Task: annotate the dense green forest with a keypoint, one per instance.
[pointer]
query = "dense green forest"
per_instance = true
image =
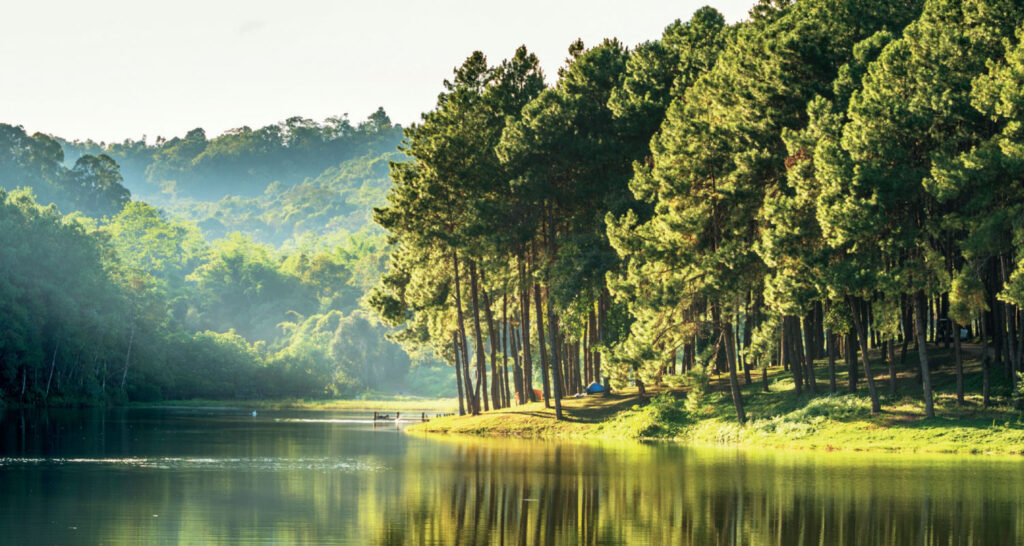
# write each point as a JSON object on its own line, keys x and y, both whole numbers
{"x": 106, "y": 298}
{"x": 828, "y": 179}
{"x": 825, "y": 179}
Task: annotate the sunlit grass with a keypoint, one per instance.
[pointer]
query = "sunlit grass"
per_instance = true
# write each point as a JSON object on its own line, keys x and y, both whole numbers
{"x": 780, "y": 419}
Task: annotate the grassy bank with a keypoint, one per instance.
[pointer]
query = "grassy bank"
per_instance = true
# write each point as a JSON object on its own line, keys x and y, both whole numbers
{"x": 385, "y": 404}
{"x": 780, "y": 419}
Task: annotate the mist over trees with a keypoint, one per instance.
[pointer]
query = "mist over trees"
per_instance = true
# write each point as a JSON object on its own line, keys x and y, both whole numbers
{"x": 828, "y": 178}
{"x": 122, "y": 300}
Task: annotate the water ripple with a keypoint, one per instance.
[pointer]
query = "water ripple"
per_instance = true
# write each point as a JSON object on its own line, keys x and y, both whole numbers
{"x": 271, "y": 464}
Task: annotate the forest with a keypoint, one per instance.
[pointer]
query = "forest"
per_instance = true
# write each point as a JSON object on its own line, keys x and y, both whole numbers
{"x": 105, "y": 298}
{"x": 829, "y": 179}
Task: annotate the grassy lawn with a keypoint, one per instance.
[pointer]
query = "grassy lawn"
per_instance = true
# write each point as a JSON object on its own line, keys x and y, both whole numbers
{"x": 780, "y": 419}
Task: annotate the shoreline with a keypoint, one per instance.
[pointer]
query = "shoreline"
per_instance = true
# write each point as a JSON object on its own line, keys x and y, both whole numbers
{"x": 778, "y": 420}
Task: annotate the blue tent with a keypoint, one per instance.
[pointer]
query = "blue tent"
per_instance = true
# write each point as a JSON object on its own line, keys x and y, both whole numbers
{"x": 594, "y": 388}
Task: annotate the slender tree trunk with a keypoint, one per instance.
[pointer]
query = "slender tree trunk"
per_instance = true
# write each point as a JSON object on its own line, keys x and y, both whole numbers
{"x": 505, "y": 348}
{"x": 905, "y": 323}
{"x": 1008, "y": 315}
{"x": 819, "y": 330}
{"x": 849, "y": 351}
{"x": 986, "y": 381}
{"x": 128, "y": 354}
{"x": 555, "y": 360}
{"x": 481, "y": 358}
{"x": 1020, "y": 349}
{"x": 524, "y": 333}
{"x": 53, "y": 364}
{"x": 540, "y": 345}
{"x": 748, "y": 325}
{"x": 790, "y": 355}
{"x": 862, "y": 335}
{"x": 602, "y": 332}
{"x": 926, "y": 375}
{"x": 888, "y": 353}
{"x": 517, "y": 371}
{"x": 472, "y": 405}
{"x": 492, "y": 334}
{"x": 458, "y": 370}
{"x": 809, "y": 352}
{"x": 831, "y": 348}
{"x": 587, "y": 335}
{"x": 730, "y": 350}
{"x": 958, "y": 360}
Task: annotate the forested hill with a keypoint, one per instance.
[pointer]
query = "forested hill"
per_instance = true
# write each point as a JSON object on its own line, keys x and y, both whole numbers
{"x": 276, "y": 183}
{"x": 106, "y": 297}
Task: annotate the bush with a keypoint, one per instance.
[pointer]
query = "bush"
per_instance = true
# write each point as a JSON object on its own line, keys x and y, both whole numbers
{"x": 696, "y": 380}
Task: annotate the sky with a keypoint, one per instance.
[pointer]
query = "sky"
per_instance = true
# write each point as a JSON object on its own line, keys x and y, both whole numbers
{"x": 115, "y": 69}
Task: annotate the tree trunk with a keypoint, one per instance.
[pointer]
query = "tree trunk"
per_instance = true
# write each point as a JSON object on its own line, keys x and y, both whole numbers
{"x": 128, "y": 354}
{"x": 472, "y": 405}
{"x": 958, "y": 359}
{"x": 905, "y": 324}
{"x": 926, "y": 375}
{"x": 730, "y": 354}
{"x": 492, "y": 334}
{"x": 809, "y": 352}
{"x": 830, "y": 341}
{"x": 53, "y": 364}
{"x": 458, "y": 370}
{"x": 862, "y": 335}
{"x": 505, "y": 349}
{"x": 790, "y": 356}
{"x": 478, "y": 336}
{"x": 985, "y": 379}
{"x": 889, "y": 354}
{"x": 849, "y": 352}
{"x": 540, "y": 345}
{"x": 517, "y": 370}
{"x": 524, "y": 333}
{"x": 555, "y": 359}
{"x": 602, "y": 331}
{"x": 1008, "y": 314}
{"x": 748, "y": 325}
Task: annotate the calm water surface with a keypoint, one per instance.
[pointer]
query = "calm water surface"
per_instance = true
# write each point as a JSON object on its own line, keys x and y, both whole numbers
{"x": 209, "y": 476}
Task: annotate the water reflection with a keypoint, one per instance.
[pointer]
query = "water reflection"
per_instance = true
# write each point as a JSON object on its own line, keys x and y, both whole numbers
{"x": 509, "y": 493}
{"x": 209, "y": 477}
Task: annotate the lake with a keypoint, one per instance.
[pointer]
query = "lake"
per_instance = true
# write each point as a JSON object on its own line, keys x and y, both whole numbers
{"x": 222, "y": 476}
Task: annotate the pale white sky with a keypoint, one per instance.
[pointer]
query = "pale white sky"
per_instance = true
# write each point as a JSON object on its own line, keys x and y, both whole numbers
{"x": 111, "y": 69}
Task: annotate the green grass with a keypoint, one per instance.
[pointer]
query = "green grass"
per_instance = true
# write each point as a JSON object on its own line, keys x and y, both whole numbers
{"x": 385, "y": 404}
{"x": 780, "y": 419}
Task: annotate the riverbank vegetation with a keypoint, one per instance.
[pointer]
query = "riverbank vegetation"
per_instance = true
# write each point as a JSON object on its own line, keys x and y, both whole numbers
{"x": 705, "y": 416}
{"x": 829, "y": 187}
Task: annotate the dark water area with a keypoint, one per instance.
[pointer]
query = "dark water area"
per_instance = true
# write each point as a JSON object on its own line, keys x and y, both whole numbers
{"x": 222, "y": 476}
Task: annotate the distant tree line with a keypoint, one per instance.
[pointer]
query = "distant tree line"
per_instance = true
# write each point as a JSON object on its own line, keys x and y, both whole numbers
{"x": 824, "y": 178}
{"x": 122, "y": 301}
{"x": 243, "y": 161}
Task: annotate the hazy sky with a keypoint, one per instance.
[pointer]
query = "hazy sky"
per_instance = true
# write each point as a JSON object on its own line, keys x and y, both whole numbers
{"x": 111, "y": 69}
